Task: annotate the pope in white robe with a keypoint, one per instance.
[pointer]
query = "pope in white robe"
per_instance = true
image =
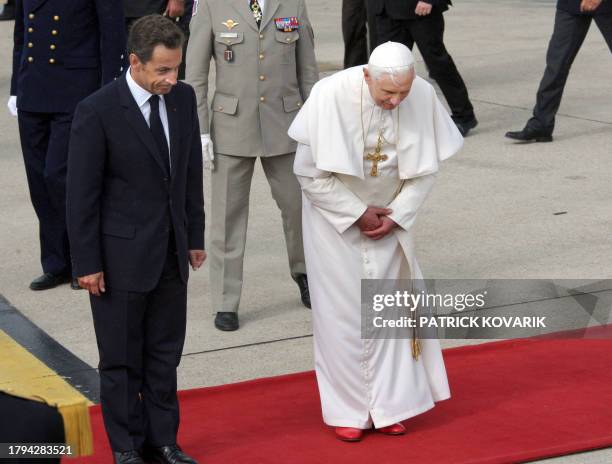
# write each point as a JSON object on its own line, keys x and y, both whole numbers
{"x": 370, "y": 140}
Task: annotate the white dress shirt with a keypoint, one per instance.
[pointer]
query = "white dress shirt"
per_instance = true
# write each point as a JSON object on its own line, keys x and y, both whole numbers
{"x": 142, "y": 100}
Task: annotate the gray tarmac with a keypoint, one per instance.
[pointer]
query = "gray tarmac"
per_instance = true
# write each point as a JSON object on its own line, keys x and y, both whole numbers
{"x": 491, "y": 215}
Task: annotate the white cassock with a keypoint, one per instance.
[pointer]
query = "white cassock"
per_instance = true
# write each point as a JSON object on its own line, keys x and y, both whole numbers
{"x": 365, "y": 381}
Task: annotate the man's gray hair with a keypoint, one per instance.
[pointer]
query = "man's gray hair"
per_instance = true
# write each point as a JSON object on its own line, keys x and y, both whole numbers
{"x": 394, "y": 73}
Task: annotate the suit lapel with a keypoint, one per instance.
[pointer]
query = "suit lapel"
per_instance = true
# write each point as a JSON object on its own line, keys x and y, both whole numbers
{"x": 173, "y": 129}
{"x": 269, "y": 11}
{"x": 137, "y": 121}
{"x": 242, "y": 7}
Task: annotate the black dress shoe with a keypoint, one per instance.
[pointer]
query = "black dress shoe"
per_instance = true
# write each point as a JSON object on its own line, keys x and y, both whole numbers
{"x": 48, "y": 280}
{"x": 226, "y": 321}
{"x": 8, "y": 13}
{"x": 128, "y": 457}
{"x": 465, "y": 126}
{"x": 74, "y": 284}
{"x": 530, "y": 135}
{"x": 171, "y": 454}
{"x": 302, "y": 282}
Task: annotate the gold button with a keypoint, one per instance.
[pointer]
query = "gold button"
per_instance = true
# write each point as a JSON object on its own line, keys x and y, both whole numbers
{"x": 30, "y": 44}
{"x": 31, "y": 16}
{"x": 260, "y": 36}
{"x": 52, "y": 46}
{"x": 220, "y": 108}
{"x": 53, "y": 32}
{"x": 262, "y": 99}
{"x": 288, "y": 39}
{"x": 299, "y": 104}
{"x": 56, "y": 18}
{"x": 262, "y": 78}
{"x": 261, "y": 56}
{"x": 30, "y": 59}
{"x": 51, "y": 61}
{"x": 30, "y": 30}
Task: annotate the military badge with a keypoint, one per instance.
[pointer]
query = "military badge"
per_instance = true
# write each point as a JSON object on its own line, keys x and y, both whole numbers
{"x": 287, "y": 24}
{"x": 230, "y": 24}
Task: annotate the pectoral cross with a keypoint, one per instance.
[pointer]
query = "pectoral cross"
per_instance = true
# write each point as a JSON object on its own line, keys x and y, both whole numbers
{"x": 376, "y": 158}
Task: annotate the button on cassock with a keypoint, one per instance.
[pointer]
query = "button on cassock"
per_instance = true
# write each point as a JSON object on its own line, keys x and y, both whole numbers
{"x": 262, "y": 99}
{"x": 31, "y": 16}
{"x": 52, "y": 47}
{"x": 51, "y": 61}
{"x": 30, "y": 30}
{"x": 30, "y": 44}
{"x": 262, "y": 78}
{"x": 30, "y": 59}
{"x": 53, "y": 32}
{"x": 56, "y": 18}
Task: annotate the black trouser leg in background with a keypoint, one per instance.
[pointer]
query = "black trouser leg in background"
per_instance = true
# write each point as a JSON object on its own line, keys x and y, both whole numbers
{"x": 568, "y": 34}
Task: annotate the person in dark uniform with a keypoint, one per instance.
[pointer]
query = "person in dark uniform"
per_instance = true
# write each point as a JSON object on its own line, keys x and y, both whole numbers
{"x": 180, "y": 10}
{"x": 136, "y": 222}
{"x": 8, "y": 11}
{"x": 422, "y": 22}
{"x": 63, "y": 51}
{"x": 572, "y": 21}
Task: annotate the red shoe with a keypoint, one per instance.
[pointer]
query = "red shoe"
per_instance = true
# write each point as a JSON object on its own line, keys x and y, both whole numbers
{"x": 395, "y": 429}
{"x": 348, "y": 434}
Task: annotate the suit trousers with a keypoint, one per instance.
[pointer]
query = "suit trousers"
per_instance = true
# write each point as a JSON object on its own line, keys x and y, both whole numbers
{"x": 230, "y": 190}
{"x": 140, "y": 339}
{"x": 354, "y": 32}
{"x": 567, "y": 37}
{"x": 428, "y": 34}
{"x": 44, "y": 143}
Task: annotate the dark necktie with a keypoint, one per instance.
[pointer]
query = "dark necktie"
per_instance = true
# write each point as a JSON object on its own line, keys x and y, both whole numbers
{"x": 157, "y": 129}
{"x": 256, "y": 9}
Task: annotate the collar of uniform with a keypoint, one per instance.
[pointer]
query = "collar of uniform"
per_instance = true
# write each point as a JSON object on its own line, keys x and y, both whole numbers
{"x": 261, "y": 4}
{"x": 140, "y": 95}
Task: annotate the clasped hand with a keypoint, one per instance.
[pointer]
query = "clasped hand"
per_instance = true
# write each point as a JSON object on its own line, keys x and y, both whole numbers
{"x": 375, "y": 223}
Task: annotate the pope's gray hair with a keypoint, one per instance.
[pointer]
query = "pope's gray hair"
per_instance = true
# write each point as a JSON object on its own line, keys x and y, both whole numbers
{"x": 394, "y": 73}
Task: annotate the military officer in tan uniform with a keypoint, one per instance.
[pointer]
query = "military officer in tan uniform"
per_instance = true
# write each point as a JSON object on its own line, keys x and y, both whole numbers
{"x": 265, "y": 69}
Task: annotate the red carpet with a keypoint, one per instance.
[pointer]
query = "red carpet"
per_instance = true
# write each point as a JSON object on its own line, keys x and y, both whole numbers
{"x": 513, "y": 401}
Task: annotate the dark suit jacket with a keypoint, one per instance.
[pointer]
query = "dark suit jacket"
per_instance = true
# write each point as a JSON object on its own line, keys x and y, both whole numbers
{"x": 573, "y": 7}
{"x": 140, "y": 8}
{"x": 121, "y": 203}
{"x": 403, "y": 9}
{"x": 53, "y": 71}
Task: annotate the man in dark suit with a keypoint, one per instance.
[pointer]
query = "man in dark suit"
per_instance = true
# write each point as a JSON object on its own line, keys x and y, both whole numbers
{"x": 572, "y": 22}
{"x": 136, "y": 221}
{"x": 422, "y": 22}
{"x": 63, "y": 51}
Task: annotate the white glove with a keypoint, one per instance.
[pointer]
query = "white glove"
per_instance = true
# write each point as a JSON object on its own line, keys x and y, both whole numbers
{"x": 208, "y": 155}
{"x": 12, "y": 105}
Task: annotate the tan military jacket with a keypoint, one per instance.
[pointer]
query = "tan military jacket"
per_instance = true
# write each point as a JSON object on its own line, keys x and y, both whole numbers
{"x": 261, "y": 88}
